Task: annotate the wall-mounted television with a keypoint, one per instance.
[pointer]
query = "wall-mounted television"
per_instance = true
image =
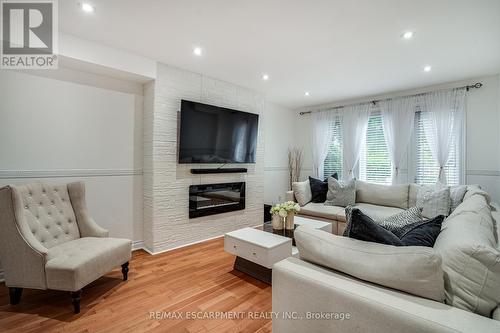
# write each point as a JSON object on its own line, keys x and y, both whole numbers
{"x": 212, "y": 134}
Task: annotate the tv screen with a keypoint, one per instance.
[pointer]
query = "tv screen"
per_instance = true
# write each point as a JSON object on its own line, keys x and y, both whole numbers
{"x": 211, "y": 134}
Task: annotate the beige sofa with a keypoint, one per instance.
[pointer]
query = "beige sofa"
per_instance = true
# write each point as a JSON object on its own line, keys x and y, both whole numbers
{"x": 378, "y": 201}
{"x": 327, "y": 293}
{"x": 49, "y": 241}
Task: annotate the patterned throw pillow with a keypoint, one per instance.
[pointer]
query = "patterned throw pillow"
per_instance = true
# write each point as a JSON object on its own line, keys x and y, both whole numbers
{"x": 434, "y": 201}
{"x": 348, "y": 219}
{"x": 399, "y": 224}
{"x": 340, "y": 193}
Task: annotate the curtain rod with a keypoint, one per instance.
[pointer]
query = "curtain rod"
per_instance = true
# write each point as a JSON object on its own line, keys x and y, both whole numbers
{"x": 476, "y": 85}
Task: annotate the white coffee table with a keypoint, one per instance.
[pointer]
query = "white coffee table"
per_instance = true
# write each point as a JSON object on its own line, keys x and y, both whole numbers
{"x": 257, "y": 251}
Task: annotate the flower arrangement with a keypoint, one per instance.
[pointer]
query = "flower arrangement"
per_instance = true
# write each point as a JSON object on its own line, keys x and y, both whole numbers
{"x": 284, "y": 208}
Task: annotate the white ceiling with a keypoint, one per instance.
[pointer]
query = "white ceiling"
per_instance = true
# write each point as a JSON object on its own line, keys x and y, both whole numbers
{"x": 335, "y": 49}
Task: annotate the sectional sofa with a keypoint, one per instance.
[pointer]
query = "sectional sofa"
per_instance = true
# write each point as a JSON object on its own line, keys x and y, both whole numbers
{"x": 345, "y": 285}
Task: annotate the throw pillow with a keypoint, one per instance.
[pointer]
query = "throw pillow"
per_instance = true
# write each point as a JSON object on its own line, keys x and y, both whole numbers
{"x": 434, "y": 201}
{"x": 319, "y": 188}
{"x": 302, "y": 192}
{"x": 362, "y": 227}
{"x": 340, "y": 193}
{"x": 457, "y": 194}
{"x": 424, "y": 234}
{"x": 399, "y": 224}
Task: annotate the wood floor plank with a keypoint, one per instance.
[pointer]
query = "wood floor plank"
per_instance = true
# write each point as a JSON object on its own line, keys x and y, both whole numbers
{"x": 195, "y": 279}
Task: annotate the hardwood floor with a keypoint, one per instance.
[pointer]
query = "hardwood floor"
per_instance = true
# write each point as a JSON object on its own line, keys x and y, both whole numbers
{"x": 197, "y": 279}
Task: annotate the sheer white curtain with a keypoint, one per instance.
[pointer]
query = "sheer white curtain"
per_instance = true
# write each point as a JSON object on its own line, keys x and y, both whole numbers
{"x": 445, "y": 111}
{"x": 398, "y": 118}
{"x": 321, "y": 137}
{"x": 354, "y": 124}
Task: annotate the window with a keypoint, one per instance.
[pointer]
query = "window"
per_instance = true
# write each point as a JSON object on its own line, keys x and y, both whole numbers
{"x": 375, "y": 162}
{"x": 427, "y": 169}
{"x": 333, "y": 161}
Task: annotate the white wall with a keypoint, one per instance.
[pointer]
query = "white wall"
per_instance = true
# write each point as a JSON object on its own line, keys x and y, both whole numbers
{"x": 58, "y": 131}
{"x": 279, "y": 136}
{"x": 166, "y": 183}
{"x": 482, "y": 130}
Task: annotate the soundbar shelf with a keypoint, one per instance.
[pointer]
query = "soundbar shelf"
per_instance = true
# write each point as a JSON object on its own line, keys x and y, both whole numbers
{"x": 218, "y": 170}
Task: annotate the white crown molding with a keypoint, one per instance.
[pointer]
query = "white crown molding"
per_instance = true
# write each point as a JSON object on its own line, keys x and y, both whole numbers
{"x": 12, "y": 174}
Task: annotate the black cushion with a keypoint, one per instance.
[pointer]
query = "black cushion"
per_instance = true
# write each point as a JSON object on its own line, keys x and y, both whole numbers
{"x": 424, "y": 234}
{"x": 319, "y": 188}
{"x": 362, "y": 227}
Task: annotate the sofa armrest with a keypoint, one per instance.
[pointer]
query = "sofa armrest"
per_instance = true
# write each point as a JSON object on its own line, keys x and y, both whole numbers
{"x": 88, "y": 227}
{"x": 23, "y": 256}
{"x": 309, "y": 291}
{"x": 289, "y": 196}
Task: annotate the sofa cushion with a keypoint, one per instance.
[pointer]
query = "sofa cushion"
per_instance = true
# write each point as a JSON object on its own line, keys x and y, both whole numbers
{"x": 320, "y": 210}
{"x": 378, "y": 213}
{"x": 412, "y": 194}
{"x": 302, "y": 192}
{"x": 383, "y": 195}
{"x": 434, "y": 200}
{"x": 72, "y": 265}
{"x": 340, "y": 193}
{"x": 471, "y": 259}
{"x": 416, "y": 270}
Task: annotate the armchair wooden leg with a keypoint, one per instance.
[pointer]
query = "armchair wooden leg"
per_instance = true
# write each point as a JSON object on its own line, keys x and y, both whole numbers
{"x": 15, "y": 295}
{"x": 75, "y": 299}
{"x": 125, "y": 271}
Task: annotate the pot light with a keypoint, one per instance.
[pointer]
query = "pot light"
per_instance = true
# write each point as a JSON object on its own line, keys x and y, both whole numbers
{"x": 408, "y": 35}
{"x": 265, "y": 77}
{"x": 87, "y": 7}
{"x": 307, "y": 93}
{"x": 427, "y": 68}
{"x": 197, "y": 51}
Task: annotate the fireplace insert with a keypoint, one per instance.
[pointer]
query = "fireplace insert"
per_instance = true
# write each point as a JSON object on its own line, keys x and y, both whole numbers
{"x": 210, "y": 199}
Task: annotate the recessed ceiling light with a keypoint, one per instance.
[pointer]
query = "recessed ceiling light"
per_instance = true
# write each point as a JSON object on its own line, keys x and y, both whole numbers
{"x": 87, "y": 7}
{"x": 307, "y": 93}
{"x": 427, "y": 68}
{"x": 265, "y": 77}
{"x": 197, "y": 51}
{"x": 407, "y": 34}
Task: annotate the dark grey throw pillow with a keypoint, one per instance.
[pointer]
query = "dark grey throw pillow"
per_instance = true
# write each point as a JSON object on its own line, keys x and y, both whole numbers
{"x": 362, "y": 227}
{"x": 319, "y": 188}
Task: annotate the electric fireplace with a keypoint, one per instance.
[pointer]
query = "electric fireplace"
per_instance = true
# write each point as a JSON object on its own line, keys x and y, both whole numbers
{"x": 210, "y": 199}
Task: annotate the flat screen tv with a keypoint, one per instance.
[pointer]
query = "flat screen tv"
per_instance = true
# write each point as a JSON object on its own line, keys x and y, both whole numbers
{"x": 211, "y": 134}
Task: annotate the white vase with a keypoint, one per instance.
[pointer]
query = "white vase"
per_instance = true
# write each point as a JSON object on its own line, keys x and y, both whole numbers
{"x": 277, "y": 222}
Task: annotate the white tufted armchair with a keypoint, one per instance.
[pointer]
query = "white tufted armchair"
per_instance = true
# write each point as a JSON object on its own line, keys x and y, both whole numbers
{"x": 48, "y": 241}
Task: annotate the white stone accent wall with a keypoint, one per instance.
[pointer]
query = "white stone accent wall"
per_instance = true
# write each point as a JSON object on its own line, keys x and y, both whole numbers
{"x": 166, "y": 183}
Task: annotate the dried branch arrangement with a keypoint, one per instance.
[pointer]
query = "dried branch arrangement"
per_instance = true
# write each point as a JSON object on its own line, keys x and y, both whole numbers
{"x": 295, "y": 159}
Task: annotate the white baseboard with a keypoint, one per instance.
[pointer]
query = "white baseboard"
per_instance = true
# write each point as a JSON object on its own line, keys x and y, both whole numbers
{"x": 137, "y": 245}
{"x": 2, "y": 278}
{"x": 189, "y": 244}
